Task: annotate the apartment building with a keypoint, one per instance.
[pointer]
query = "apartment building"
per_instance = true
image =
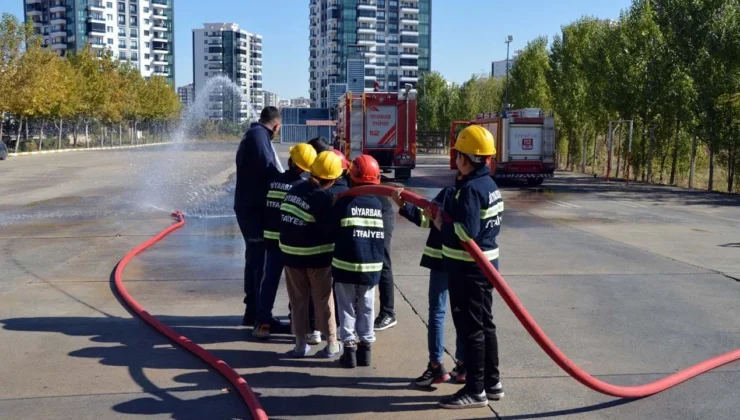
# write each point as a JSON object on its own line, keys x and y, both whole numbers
{"x": 271, "y": 99}
{"x": 392, "y": 37}
{"x": 223, "y": 49}
{"x": 138, "y": 31}
{"x": 186, "y": 94}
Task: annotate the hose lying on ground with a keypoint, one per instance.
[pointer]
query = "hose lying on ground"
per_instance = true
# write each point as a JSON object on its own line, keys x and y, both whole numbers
{"x": 540, "y": 337}
{"x": 258, "y": 413}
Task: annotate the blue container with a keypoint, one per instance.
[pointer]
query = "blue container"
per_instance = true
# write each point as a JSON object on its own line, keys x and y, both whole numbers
{"x": 300, "y": 133}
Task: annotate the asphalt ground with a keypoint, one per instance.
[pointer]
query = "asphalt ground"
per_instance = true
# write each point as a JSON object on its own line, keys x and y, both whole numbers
{"x": 632, "y": 282}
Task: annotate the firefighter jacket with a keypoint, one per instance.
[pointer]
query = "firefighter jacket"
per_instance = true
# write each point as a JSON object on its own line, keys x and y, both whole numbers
{"x": 340, "y": 185}
{"x": 476, "y": 208}
{"x": 432, "y": 257}
{"x": 279, "y": 186}
{"x": 305, "y": 226}
{"x": 359, "y": 240}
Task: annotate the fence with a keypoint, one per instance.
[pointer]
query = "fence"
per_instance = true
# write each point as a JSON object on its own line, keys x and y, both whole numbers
{"x": 301, "y": 133}
{"x": 432, "y": 142}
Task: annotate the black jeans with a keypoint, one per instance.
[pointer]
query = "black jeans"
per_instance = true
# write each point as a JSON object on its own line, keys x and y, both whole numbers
{"x": 385, "y": 287}
{"x": 252, "y": 228}
{"x": 471, "y": 299}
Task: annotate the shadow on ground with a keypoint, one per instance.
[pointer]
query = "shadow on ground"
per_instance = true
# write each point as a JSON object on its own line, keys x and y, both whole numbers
{"x": 140, "y": 348}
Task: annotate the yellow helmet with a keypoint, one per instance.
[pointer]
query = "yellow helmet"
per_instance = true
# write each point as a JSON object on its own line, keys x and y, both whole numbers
{"x": 303, "y": 155}
{"x": 327, "y": 166}
{"x": 475, "y": 140}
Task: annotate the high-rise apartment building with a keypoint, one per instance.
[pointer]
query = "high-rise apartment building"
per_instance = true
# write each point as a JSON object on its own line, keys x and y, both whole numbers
{"x": 271, "y": 99}
{"x": 392, "y": 37}
{"x": 138, "y": 31}
{"x": 222, "y": 49}
{"x": 186, "y": 94}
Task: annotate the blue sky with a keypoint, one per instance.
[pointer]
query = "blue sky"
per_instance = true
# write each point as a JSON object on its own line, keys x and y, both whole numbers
{"x": 466, "y": 34}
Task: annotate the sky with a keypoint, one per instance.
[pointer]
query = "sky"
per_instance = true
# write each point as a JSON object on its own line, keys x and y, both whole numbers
{"x": 466, "y": 34}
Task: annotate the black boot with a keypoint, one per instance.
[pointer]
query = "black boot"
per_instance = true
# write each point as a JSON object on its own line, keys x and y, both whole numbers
{"x": 349, "y": 358}
{"x": 363, "y": 354}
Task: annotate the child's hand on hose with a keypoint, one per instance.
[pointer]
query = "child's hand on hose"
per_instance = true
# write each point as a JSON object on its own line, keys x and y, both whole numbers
{"x": 396, "y": 196}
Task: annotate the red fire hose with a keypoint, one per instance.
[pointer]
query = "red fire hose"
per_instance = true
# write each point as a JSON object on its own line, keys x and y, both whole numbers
{"x": 224, "y": 369}
{"x": 543, "y": 340}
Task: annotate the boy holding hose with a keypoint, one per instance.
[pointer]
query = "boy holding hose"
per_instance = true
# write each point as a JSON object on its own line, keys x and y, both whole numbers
{"x": 475, "y": 211}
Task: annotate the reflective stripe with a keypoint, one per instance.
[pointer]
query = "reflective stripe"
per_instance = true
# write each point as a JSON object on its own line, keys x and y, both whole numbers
{"x": 432, "y": 252}
{"x": 460, "y": 232}
{"x": 357, "y": 268}
{"x": 362, "y": 221}
{"x": 272, "y": 235}
{"x": 462, "y": 255}
{"x": 312, "y": 250}
{"x": 276, "y": 194}
{"x": 425, "y": 223}
{"x": 492, "y": 211}
{"x": 295, "y": 211}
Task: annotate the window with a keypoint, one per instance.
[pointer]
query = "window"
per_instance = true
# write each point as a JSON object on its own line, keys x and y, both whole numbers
{"x": 146, "y": 45}
{"x": 121, "y": 43}
{"x": 109, "y": 17}
{"x": 134, "y": 57}
{"x": 146, "y": 33}
{"x": 146, "y": 10}
{"x": 134, "y": 33}
{"x": 205, "y": 41}
{"x": 148, "y": 68}
{"x": 205, "y": 74}
{"x": 121, "y": 32}
{"x": 205, "y": 49}
{"x": 134, "y": 45}
{"x": 122, "y": 7}
{"x": 122, "y": 55}
{"x": 133, "y": 8}
{"x": 109, "y": 5}
{"x": 109, "y": 29}
{"x": 134, "y": 21}
{"x": 110, "y": 41}
{"x": 146, "y": 21}
{"x": 121, "y": 19}
{"x": 146, "y": 56}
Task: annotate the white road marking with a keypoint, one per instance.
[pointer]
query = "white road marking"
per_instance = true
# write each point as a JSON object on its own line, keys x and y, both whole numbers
{"x": 564, "y": 204}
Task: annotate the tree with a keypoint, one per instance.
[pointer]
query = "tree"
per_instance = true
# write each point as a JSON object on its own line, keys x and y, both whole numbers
{"x": 12, "y": 36}
{"x": 528, "y": 86}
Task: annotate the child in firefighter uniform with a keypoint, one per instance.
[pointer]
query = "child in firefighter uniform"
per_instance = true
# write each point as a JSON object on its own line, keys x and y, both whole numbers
{"x": 475, "y": 210}
{"x": 438, "y": 292}
{"x": 357, "y": 262}
{"x": 302, "y": 157}
{"x": 307, "y": 243}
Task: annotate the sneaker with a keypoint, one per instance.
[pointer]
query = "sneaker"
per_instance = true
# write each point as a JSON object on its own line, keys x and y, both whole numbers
{"x": 384, "y": 321}
{"x": 463, "y": 399}
{"x": 277, "y": 327}
{"x": 299, "y": 351}
{"x": 330, "y": 351}
{"x": 313, "y": 338}
{"x": 433, "y": 375}
{"x": 458, "y": 372}
{"x": 261, "y": 331}
{"x": 495, "y": 392}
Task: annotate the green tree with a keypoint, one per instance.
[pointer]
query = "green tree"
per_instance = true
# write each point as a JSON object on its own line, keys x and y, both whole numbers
{"x": 528, "y": 86}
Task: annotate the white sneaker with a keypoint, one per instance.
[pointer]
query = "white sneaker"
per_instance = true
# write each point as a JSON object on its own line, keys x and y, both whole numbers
{"x": 313, "y": 338}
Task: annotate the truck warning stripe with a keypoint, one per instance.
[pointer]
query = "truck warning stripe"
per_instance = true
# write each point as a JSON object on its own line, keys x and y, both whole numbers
{"x": 388, "y": 137}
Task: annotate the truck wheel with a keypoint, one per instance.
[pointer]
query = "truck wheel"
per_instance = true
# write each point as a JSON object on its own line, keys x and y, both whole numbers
{"x": 403, "y": 174}
{"x": 535, "y": 182}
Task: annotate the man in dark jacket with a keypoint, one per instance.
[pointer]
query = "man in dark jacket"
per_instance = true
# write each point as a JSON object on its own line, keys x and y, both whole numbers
{"x": 255, "y": 164}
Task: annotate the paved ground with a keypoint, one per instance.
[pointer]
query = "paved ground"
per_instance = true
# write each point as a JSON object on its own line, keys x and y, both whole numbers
{"x": 633, "y": 283}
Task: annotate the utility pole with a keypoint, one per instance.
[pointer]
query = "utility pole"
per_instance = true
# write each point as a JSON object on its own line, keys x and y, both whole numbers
{"x": 508, "y": 41}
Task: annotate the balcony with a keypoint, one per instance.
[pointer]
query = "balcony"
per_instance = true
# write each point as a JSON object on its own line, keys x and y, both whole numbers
{"x": 100, "y": 44}
{"x": 161, "y": 61}
{"x": 58, "y": 32}
{"x": 160, "y": 4}
{"x": 34, "y": 13}
{"x": 160, "y": 16}
{"x": 159, "y": 37}
{"x": 59, "y": 46}
{"x": 58, "y": 20}
{"x": 409, "y": 7}
{"x": 97, "y": 6}
{"x": 412, "y": 32}
{"x": 159, "y": 50}
{"x": 410, "y": 55}
{"x": 409, "y": 18}
{"x": 57, "y": 6}
{"x": 367, "y": 4}
{"x": 96, "y": 18}
{"x": 409, "y": 78}
{"x": 160, "y": 27}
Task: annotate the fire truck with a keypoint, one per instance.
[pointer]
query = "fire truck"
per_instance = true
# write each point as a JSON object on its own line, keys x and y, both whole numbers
{"x": 525, "y": 144}
{"x": 382, "y": 125}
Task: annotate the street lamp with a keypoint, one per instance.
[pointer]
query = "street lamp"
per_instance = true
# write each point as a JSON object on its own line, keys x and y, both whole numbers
{"x": 507, "y": 40}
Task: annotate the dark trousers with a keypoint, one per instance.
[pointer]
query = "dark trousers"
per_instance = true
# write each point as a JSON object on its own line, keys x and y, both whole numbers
{"x": 471, "y": 299}
{"x": 250, "y": 224}
{"x": 385, "y": 287}
{"x": 268, "y": 287}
